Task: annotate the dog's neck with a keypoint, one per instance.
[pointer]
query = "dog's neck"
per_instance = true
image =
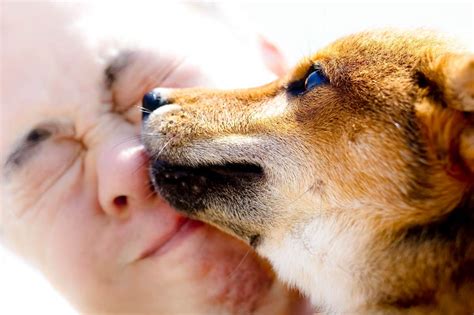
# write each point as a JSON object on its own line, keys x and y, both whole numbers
{"x": 342, "y": 269}
{"x": 445, "y": 251}
{"x": 455, "y": 227}
{"x": 319, "y": 257}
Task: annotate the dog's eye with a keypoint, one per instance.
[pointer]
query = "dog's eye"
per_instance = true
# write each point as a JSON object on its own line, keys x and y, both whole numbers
{"x": 313, "y": 78}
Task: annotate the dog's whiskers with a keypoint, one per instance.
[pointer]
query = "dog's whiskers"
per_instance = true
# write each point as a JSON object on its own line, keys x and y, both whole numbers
{"x": 157, "y": 155}
{"x": 125, "y": 140}
{"x": 143, "y": 109}
{"x": 137, "y": 137}
{"x": 234, "y": 272}
{"x": 301, "y": 195}
{"x": 154, "y": 157}
{"x": 152, "y": 193}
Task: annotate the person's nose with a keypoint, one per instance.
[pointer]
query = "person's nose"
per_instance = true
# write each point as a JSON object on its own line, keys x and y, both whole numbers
{"x": 123, "y": 181}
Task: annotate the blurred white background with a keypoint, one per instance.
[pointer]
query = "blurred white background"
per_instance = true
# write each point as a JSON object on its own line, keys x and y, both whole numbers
{"x": 298, "y": 29}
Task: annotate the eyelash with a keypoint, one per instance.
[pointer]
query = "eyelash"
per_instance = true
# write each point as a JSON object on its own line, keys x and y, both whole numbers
{"x": 30, "y": 141}
{"x": 38, "y": 135}
{"x": 33, "y": 139}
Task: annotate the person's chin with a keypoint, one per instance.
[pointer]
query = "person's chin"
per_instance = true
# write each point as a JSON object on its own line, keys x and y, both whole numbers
{"x": 207, "y": 267}
{"x": 228, "y": 270}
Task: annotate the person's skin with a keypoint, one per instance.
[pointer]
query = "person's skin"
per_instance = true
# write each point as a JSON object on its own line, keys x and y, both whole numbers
{"x": 76, "y": 200}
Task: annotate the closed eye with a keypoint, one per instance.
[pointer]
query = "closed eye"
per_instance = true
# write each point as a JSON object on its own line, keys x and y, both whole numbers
{"x": 40, "y": 160}
{"x": 30, "y": 143}
{"x": 38, "y": 135}
{"x": 32, "y": 139}
{"x": 314, "y": 77}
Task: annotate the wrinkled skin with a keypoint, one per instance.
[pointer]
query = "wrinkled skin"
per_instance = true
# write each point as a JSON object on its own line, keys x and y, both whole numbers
{"x": 76, "y": 200}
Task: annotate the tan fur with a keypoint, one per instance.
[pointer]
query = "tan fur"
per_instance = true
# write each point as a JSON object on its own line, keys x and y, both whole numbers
{"x": 366, "y": 181}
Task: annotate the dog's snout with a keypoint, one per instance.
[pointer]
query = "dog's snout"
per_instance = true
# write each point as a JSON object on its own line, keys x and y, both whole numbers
{"x": 152, "y": 101}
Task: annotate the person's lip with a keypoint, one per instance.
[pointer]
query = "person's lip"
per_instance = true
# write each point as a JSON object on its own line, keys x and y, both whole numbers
{"x": 183, "y": 228}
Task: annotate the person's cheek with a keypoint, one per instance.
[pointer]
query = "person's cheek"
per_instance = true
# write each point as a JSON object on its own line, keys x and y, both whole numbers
{"x": 29, "y": 185}
{"x": 240, "y": 277}
{"x": 216, "y": 269}
{"x": 74, "y": 260}
{"x": 35, "y": 194}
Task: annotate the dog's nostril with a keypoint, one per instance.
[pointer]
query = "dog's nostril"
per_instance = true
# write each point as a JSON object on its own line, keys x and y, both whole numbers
{"x": 152, "y": 101}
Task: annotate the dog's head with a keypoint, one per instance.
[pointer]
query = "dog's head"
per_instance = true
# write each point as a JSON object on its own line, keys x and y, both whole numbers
{"x": 374, "y": 133}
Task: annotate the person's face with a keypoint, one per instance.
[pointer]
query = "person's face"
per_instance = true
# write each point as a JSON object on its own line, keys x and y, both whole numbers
{"x": 76, "y": 198}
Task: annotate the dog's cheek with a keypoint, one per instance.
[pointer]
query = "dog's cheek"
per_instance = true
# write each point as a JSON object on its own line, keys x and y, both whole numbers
{"x": 245, "y": 224}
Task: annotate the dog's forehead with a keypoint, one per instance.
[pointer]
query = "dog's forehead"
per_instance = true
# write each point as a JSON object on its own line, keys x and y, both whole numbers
{"x": 384, "y": 47}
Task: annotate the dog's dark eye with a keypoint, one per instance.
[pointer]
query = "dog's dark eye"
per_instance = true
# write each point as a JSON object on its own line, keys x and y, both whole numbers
{"x": 313, "y": 78}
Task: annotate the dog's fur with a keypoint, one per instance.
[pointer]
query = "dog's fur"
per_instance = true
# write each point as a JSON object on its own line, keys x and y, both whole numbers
{"x": 359, "y": 191}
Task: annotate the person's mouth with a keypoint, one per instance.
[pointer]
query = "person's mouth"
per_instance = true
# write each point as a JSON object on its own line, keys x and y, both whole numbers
{"x": 184, "y": 228}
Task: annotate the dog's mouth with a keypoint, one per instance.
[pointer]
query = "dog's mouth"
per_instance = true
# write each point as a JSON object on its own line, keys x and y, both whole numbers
{"x": 191, "y": 188}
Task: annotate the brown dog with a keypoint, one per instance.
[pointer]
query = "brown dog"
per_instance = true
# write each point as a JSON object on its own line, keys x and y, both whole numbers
{"x": 353, "y": 174}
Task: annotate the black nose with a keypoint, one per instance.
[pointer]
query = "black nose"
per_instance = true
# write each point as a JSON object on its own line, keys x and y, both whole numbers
{"x": 150, "y": 102}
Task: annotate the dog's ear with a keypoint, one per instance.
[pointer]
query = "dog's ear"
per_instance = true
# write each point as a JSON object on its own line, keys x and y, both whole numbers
{"x": 447, "y": 111}
{"x": 273, "y": 57}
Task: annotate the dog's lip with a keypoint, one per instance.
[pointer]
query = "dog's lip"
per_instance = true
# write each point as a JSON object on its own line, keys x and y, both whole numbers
{"x": 224, "y": 169}
{"x": 183, "y": 228}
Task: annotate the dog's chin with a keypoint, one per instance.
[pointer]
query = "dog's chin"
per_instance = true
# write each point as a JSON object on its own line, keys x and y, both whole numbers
{"x": 192, "y": 189}
{"x": 217, "y": 194}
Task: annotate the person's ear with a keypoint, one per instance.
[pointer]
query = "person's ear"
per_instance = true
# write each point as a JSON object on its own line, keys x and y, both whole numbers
{"x": 447, "y": 111}
{"x": 272, "y": 56}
